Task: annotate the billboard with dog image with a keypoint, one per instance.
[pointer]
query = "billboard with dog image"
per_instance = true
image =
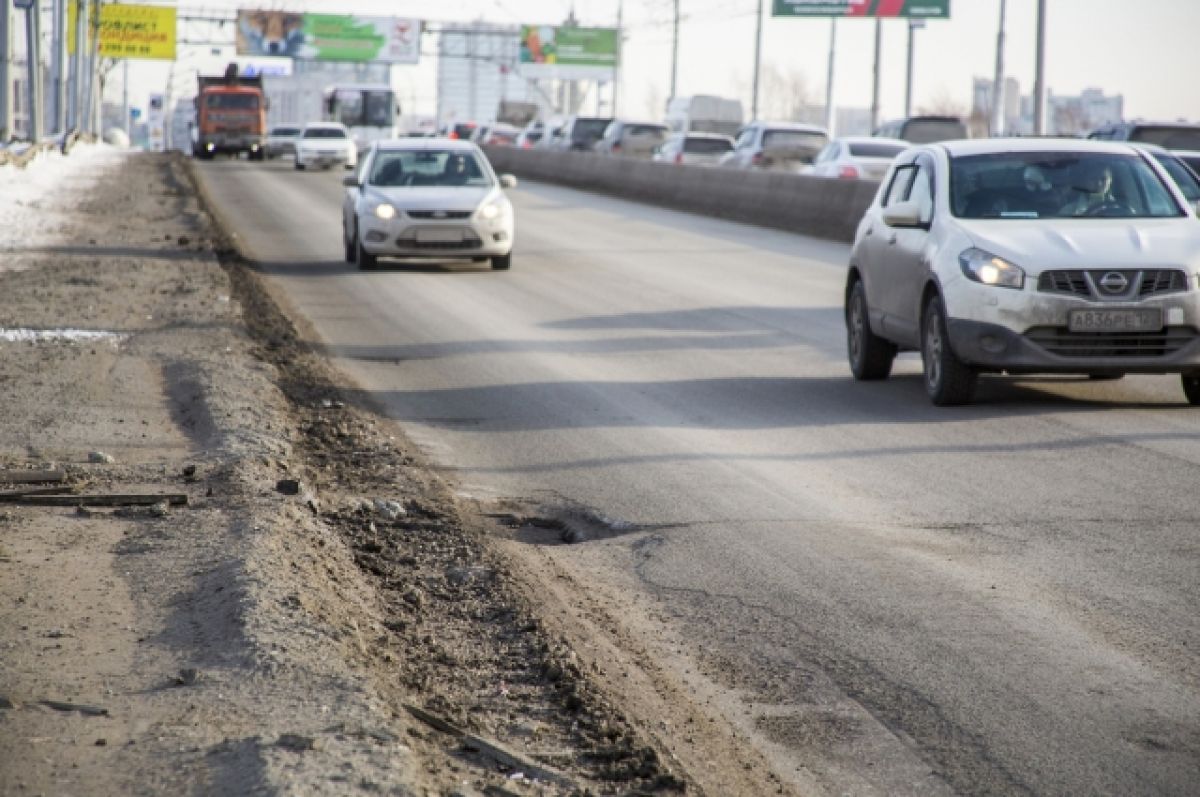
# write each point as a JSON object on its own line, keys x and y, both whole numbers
{"x": 328, "y": 37}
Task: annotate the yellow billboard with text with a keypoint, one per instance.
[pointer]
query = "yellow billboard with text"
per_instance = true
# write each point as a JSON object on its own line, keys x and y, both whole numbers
{"x": 131, "y": 31}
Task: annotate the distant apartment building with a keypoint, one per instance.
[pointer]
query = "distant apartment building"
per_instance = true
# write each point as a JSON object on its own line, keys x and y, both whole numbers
{"x": 1065, "y": 115}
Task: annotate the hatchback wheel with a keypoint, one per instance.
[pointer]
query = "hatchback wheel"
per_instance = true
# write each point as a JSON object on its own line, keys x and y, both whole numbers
{"x": 366, "y": 261}
{"x": 871, "y": 356}
{"x": 348, "y": 245}
{"x": 1191, "y": 388}
{"x": 948, "y": 380}
{"x": 502, "y": 262}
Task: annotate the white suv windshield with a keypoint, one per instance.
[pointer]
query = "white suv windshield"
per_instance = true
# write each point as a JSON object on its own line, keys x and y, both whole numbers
{"x": 1056, "y": 185}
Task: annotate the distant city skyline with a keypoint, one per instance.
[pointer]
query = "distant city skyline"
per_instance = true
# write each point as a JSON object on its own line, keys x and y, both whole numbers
{"x": 1116, "y": 46}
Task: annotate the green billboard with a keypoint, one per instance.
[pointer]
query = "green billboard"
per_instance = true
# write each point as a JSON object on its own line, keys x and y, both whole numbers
{"x": 330, "y": 37}
{"x": 568, "y": 46}
{"x": 925, "y": 9}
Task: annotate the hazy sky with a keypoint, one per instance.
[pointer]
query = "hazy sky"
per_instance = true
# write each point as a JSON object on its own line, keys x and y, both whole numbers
{"x": 1142, "y": 49}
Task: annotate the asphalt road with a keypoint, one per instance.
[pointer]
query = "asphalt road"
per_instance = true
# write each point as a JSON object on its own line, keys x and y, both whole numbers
{"x": 889, "y": 597}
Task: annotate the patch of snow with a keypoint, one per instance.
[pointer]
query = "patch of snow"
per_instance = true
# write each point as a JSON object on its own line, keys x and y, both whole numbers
{"x": 36, "y": 202}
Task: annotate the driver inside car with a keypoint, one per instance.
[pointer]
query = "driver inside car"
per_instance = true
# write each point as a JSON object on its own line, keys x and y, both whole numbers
{"x": 1091, "y": 185}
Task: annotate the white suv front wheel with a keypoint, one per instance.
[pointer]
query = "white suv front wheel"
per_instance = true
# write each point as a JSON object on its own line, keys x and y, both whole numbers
{"x": 948, "y": 380}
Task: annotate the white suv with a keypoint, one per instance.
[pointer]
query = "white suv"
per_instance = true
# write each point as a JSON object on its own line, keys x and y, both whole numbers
{"x": 1026, "y": 256}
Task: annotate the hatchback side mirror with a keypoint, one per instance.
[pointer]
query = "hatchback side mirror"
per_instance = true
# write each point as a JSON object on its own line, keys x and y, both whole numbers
{"x": 350, "y": 181}
{"x": 508, "y": 181}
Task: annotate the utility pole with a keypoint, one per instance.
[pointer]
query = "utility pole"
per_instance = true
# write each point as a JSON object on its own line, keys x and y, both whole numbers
{"x": 75, "y": 108}
{"x": 59, "y": 50}
{"x": 617, "y": 65}
{"x": 674, "y": 49}
{"x": 998, "y": 83}
{"x": 757, "y": 61}
{"x": 875, "y": 81}
{"x": 95, "y": 90}
{"x": 913, "y": 26}
{"x": 1039, "y": 73}
{"x": 6, "y": 104}
{"x": 125, "y": 125}
{"x": 830, "y": 111}
{"x": 33, "y": 59}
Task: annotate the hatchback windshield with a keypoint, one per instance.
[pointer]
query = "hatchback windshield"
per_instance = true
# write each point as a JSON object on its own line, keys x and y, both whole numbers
{"x": 324, "y": 132}
{"x": 427, "y": 167}
{"x": 286, "y": 131}
{"x": 1055, "y": 185}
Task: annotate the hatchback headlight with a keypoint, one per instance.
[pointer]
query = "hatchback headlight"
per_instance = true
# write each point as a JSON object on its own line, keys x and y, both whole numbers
{"x": 385, "y": 211}
{"x": 986, "y": 268}
{"x": 492, "y": 210}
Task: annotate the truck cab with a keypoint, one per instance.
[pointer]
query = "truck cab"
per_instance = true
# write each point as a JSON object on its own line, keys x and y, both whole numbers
{"x": 231, "y": 116}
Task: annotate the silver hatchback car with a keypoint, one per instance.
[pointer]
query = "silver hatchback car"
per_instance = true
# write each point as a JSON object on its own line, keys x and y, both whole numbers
{"x": 427, "y": 198}
{"x": 1026, "y": 256}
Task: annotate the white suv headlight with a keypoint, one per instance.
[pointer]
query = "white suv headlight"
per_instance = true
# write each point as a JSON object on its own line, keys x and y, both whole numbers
{"x": 988, "y": 269}
{"x": 385, "y": 211}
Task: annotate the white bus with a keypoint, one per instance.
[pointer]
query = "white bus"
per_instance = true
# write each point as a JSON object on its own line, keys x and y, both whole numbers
{"x": 369, "y": 111}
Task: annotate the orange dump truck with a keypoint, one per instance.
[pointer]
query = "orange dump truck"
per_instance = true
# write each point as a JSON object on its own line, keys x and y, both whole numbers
{"x": 231, "y": 115}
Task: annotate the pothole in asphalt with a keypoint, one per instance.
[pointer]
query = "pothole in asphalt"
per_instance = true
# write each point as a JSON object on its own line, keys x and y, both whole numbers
{"x": 542, "y": 524}
{"x": 26, "y": 335}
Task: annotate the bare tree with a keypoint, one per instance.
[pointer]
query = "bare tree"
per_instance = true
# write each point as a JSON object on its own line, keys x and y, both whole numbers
{"x": 784, "y": 95}
{"x": 943, "y": 104}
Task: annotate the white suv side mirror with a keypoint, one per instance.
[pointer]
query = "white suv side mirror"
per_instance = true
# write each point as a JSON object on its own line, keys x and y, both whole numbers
{"x": 903, "y": 214}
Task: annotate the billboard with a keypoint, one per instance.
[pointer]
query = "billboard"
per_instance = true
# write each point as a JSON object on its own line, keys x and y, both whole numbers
{"x": 131, "y": 31}
{"x": 567, "y": 52}
{"x": 338, "y": 38}
{"x": 328, "y": 37}
{"x": 861, "y": 8}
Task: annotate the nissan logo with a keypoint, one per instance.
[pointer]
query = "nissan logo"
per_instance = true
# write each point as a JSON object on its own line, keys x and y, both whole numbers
{"x": 1114, "y": 282}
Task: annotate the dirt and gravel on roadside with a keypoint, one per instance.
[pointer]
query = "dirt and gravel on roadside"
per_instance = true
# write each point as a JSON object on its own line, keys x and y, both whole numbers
{"x": 321, "y": 616}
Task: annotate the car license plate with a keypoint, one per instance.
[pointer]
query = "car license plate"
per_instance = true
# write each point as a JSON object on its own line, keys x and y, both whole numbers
{"x": 1146, "y": 320}
{"x": 439, "y": 236}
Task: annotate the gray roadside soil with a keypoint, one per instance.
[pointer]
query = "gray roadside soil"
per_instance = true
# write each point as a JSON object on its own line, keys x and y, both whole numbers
{"x": 298, "y": 604}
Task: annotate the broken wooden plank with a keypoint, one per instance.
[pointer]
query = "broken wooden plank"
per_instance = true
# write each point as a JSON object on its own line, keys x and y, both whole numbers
{"x": 31, "y": 476}
{"x": 106, "y": 499}
{"x": 494, "y": 750}
{"x": 16, "y": 495}
{"x": 86, "y": 710}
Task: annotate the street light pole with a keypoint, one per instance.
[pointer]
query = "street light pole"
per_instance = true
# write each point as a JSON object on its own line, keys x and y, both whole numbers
{"x": 998, "y": 83}
{"x": 674, "y": 48}
{"x": 1039, "y": 74}
{"x": 913, "y": 26}
{"x": 757, "y": 61}
{"x": 59, "y": 50}
{"x": 33, "y": 59}
{"x": 6, "y": 104}
{"x": 830, "y": 111}
{"x": 875, "y": 81}
{"x": 617, "y": 66}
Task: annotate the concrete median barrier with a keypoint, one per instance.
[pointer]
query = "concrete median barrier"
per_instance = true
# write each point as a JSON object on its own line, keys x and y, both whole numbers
{"x": 810, "y": 205}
